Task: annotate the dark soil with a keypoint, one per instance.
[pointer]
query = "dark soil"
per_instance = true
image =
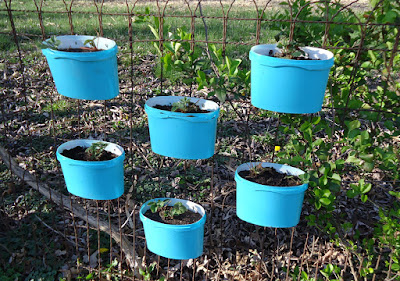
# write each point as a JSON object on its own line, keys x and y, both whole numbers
{"x": 270, "y": 176}
{"x": 78, "y": 153}
{"x": 188, "y": 217}
{"x": 80, "y": 50}
{"x": 169, "y": 108}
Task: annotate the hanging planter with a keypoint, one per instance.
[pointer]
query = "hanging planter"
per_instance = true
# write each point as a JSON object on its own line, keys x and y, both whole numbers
{"x": 182, "y": 135}
{"x": 98, "y": 180}
{"x": 82, "y": 71}
{"x": 171, "y": 240}
{"x": 286, "y": 85}
{"x": 265, "y": 205}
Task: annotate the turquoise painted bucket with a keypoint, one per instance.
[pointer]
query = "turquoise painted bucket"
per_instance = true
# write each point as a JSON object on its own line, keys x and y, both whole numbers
{"x": 87, "y": 76}
{"x": 270, "y": 206}
{"x": 182, "y": 135}
{"x": 179, "y": 242}
{"x": 98, "y": 180}
{"x": 289, "y": 86}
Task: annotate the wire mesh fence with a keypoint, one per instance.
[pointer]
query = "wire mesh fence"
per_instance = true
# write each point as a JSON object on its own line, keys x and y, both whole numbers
{"x": 51, "y": 234}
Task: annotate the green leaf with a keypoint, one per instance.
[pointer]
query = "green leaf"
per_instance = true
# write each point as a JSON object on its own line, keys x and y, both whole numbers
{"x": 353, "y": 159}
{"x": 367, "y": 64}
{"x": 364, "y": 198}
{"x": 220, "y": 94}
{"x": 367, "y": 156}
{"x": 373, "y": 3}
{"x": 325, "y": 193}
{"x": 325, "y": 201}
{"x": 308, "y": 135}
{"x": 365, "y": 188}
{"x": 364, "y": 135}
{"x": 336, "y": 177}
{"x": 306, "y": 125}
{"x": 353, "y": 125}
{"x": 156, "y": 46}
{"x": 177, "y": 46}
{"x": 317, "y": 142}
{"x": 155, "y": 32}
{"x": 202, "y": 75}
{"x": 395, "y": 267}
{"x": 368, "y": 166}
{"x": 351, "y": 193}
{"x": 390, "y": 17}
{"x": 298, "y": 159}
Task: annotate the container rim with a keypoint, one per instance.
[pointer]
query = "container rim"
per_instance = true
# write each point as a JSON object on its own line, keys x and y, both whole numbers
{"x": 169, "y": 100}
{"x": 278, "y": 189}
{"x": 188, "y": 204}
{"x": 77, "y": 41}
{"x": 324, "y": 59}
{"x": 111, "y": 147}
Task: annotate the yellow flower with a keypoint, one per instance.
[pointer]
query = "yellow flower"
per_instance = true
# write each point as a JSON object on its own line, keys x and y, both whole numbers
{"x": 277, "y": 148}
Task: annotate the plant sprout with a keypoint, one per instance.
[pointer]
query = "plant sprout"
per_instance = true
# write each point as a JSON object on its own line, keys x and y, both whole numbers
{"x": 160, "y": 207}
{"x": 291, "y": 51}
{"x": 51, "y": 43}
{"x": 91, "y": 43}
{"x": 95, "y": 151}
{"x": 184, "y": 105}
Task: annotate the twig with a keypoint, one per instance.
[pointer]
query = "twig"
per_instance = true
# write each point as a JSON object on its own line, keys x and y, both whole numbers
{"x": 128, "y": 219}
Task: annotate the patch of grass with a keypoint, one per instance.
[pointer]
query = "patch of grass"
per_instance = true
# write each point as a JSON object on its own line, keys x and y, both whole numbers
{"x": 116, "y": 26}
{"x": 60, "y": 107}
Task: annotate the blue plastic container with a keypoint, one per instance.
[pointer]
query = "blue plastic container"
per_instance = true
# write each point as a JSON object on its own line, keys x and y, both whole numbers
{"x": 88, "y": 76}
{"x": 179, "y": 242}
{"x": 182, "y": 135}
{"x": 271, "y": 206}
{"x": 289, "y": 86}
{"x": 98, "y": 180}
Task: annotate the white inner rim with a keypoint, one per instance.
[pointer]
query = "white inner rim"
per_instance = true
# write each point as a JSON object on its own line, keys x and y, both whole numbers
{"x": 314, "y": 53}
{"x": 169, "y": 100}
{"x": 284, "y": 169}
{"x": 77, "y": 41}
{"x": 111, "y": 147}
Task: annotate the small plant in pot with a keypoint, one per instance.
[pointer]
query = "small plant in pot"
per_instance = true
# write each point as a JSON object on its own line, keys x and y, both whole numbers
{"x": 289, "y": 79}
{"x": 92, "y": 169}
{"x": 174, "y": 228}
{"x": 83, "y": 67}
{"x": 269, "y": 194}
{"x": 182, "y": 127}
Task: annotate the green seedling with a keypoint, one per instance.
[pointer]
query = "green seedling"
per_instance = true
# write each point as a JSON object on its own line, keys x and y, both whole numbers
{"x": 291, "y": 51}
{"x": 157, "y": 206}
{"x": 256, "y": 170}
{"x": 95, "y": 151}
{"x": 91, "y": 43}
{"x": 146, "y": 271}
{"x": 161, "y": 208}
{"x": 184, "y": 105}
{"x": 51, "y": 43}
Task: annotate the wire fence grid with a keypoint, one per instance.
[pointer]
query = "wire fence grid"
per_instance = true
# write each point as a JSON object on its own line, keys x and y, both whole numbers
{"x": 96, "y": 233}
